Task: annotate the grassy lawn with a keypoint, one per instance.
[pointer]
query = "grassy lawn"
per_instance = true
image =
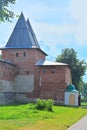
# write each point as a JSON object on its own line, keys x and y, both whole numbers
{"x": 26, "y": 117}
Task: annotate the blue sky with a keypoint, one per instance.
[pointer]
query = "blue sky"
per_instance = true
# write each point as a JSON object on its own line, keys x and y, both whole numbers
{"x": 58, "y": 24}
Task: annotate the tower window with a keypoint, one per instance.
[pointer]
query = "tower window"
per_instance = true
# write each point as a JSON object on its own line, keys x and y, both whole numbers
{"x": 17, "y": 72}
{"x": 53, "y": 71}
{"x": 16, "y": 54}
{"x": 44, "y": 71}
{"x": 24, "y": 54}
{"x": 27, "y": 72}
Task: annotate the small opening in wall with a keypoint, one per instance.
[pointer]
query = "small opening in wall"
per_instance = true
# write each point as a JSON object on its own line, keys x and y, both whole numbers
{"x": 27, "y": 72}
{"x": 44, "y": 71}
{"x": 17, "y": 72}
{"x": 24, "y": 54}
{"x": 16, "y": 54}
{"x": 53, "y": 71}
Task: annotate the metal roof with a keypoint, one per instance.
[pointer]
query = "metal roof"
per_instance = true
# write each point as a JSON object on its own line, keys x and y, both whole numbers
{"x": 22, "y": 35}
{"x": 70, "y": 88}
{"x": 46, "y": 63}
{"x": 8, "y": 62}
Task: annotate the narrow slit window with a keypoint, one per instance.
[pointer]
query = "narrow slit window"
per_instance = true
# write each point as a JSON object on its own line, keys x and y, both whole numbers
{"x": 16, "y": 54}
{"x": 27, "y": 72}
{"x": 17, "y": 72}
{"x": 24, "y": 54}
{"x": 44, "y": 71}
{"x": 53, "y": 71}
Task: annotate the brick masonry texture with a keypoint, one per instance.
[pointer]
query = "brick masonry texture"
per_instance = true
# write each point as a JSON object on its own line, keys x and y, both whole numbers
{"x": 54, "y": 82}
{"x": 7, "y": 71}
{"x": 24, "y": 64}
{"x": 49, "y": 81}
{"x": 21, "y": 80}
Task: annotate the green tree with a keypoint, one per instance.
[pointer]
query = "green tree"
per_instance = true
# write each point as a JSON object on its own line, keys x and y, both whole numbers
{"x": 5, "y": 13}
{"x": 84, "y": 92}
{"x": 78, "y": 67}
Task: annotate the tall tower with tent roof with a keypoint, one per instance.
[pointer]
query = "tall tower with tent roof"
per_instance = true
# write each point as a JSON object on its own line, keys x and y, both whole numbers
{"x": 26, "y": 74}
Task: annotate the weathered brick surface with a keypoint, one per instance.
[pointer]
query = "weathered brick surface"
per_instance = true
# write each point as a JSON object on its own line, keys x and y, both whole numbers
{"x": 7, "y": 71}
{"x": 49, "y": 81}
{"x": 53, "y": 82}
{"x": 24, "y": 64}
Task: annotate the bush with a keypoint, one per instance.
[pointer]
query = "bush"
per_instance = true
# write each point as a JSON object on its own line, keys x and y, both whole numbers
{"x": 49, "y": 104}
{"x": 40, "y": 104}
{"x": 44, "y": 104}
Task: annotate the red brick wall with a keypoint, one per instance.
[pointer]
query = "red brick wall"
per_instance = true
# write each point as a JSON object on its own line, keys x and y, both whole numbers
{"x": 50, "y": 81}
{"x": 23, "y": 64}
{"x": 6, "y": 71}
{"x": 53, "y": 83}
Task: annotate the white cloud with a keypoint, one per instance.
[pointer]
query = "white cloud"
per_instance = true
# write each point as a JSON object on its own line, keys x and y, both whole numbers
{"x": 63, "y": 22}
{"x": 55, "y": 22}
{"x": 79, "y": 13}
{"x": 79, "y": 9}
{"x": 54, "y": 34}
{"x": 60, "y": 23}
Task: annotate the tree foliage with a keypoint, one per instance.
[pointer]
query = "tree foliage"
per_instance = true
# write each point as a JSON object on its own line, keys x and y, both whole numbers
{"x": 78, "y": 67}
{"x": 5, "y": 13}
{"x": 84, "y": 92}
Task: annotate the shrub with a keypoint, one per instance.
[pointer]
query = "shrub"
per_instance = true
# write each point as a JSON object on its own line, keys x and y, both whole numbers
{"x": 44, "y": 104}
{"x": 49, "y": 104}
{"x": 40, "y": 104}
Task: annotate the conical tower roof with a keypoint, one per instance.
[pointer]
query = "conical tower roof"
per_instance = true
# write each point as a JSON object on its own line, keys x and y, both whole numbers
{"x": 32, "y": 33}
{"x": 22, "y": 35}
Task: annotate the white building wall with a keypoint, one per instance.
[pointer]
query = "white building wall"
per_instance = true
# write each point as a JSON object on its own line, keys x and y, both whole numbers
{"x": 67, "y": 94}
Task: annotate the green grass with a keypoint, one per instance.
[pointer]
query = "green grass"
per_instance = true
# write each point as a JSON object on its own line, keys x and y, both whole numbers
{"x": 26, "y": 117}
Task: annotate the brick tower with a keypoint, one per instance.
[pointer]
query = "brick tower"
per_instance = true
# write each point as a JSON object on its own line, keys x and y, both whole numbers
{"x": 26, "y": 73}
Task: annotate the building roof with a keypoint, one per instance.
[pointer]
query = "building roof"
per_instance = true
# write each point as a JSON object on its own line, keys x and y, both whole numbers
{"x": 8, "y": 62}
{"x": 47, "y": 63}
{"x": 71, "y": 88}
{"x": 23, "y": 35}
